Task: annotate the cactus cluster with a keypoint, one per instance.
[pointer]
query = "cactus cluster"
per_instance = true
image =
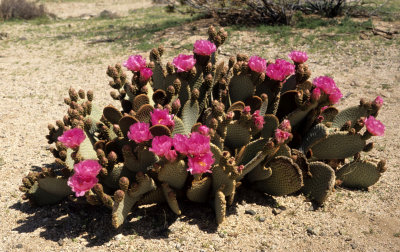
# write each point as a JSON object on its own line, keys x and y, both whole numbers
{"x": 199, "y": 128}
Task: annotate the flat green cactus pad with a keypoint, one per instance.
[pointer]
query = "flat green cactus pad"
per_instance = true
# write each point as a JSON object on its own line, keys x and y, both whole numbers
{"x": 49, "y": 190}
{"x": 349, "y": 114}
{"x": 199, "y": 191}
{"x": 271, "y": 123}
{"x": 237, "y": 135}
{"x": 317, "y": 133}
{"x": 320, "y": 185}
{"x": 174, "y": 174}
{"x": 338, "y": 145}
{"x": 286, "y": 178}
{"x": 241, "y": 87}
{"x": 359, "y": 174}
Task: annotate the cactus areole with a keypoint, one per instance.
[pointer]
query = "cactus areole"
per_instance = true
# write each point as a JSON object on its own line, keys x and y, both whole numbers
{"x": 197, "y": 127}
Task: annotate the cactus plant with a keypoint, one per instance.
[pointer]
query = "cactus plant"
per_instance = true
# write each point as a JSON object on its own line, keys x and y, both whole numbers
{"x": 198, "y": 129}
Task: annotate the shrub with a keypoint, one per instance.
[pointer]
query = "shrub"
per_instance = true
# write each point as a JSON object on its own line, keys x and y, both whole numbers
{"x": 21, "y": 9}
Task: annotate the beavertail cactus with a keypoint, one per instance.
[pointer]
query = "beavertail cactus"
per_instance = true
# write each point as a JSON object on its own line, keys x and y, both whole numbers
{"x": 198, "y": 128}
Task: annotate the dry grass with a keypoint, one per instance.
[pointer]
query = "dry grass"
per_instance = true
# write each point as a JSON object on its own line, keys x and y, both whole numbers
{"x": 21, "y": 9}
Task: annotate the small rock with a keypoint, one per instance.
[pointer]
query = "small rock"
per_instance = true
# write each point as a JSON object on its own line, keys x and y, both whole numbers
{"x": 336, "y": 234}
{"x": 261, "y": 219}
{"x": 348, "y": 239}
{"x": 178, "y": 246}
{"x": 322, "y": 234}
{"x": 283, "y": 208}
{"x": 311, "y": 208}
{"x": 276, "y": 211}
{"x": 118, "y": 237}
{"x": 222, "y": 234}
{"x": 310, "y": 231}
{"x": 19, "y": 245}
{"x": 22, "y": 38}
{"x": 60, "y": 242}
{"x": 353, "y": 245}
{"x": 250, "y": 211}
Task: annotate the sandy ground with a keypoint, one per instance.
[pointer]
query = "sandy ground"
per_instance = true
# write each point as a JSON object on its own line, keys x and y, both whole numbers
{"x": 36, "y": 76}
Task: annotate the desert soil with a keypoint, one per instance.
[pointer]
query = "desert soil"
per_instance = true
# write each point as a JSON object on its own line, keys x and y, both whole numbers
{"x": 35, "y": 76}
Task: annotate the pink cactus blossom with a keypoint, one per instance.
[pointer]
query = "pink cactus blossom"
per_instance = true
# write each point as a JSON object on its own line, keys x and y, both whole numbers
{"x": 378, "y": 101}
{"x": 298, "y": 56}
{"x": 87, "y": 168}
{"x": 161, "y": 145}
{"x": 281, "y": 136}
{"x": 328, "y": 86}
{"x": 198, "y": 144}
{"x": 162, "y": 116}
{"x": 184, "y": 63}
{"x": 316, "y": 94}
{"x": 80, "y": 185}
{"x": 171, "y": 155}
{"x": 285, "y": 125}
{"x": 203, "y": 130}
{"x": 139, "y": 132}
{"x": 204, "y": 47}
{"x": 374, "y": 126}
{"x": 247, "y": 110}
{"x": 145, "y": 73}
{"x": 72, "y": 138}
{"x": 180, "y": 143}
{"x": 135, "y": 63}
{"x": 199, "y": 164}
{"x": 257, "y": 64}
{"x": 258, "y": 119}
{"x": 280, "y": 70}
{"x": 84, "y": 177}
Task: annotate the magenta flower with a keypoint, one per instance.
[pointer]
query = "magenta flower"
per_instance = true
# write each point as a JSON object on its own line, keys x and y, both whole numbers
{"x": 328, "y": 86}
{"x": 72, "y": 138}
{"x": 162, "y": 116}
{"x": 298, "y": 56}
{"x": 198, "y": 144}
{"x": 378, "y": 101}
{"x": 204, "y": 47}
{"x": 316, "y": 94}
{"x": 285, "y": 125}
{"x": 87, "y": 168}
{"x": 199, "y": 164}
{"x": 162, "y": 146}
{"x": 258, "y": 119}
{"x": 203, "y": 130}
{"x": 280, "y": 70}
{"x": 139, "y": 132}
{"x": 84, "y": 177}
{"x": 135, "y": 63}
{"x": 180, "y": 143}
{"x": 145, "y": 73}
{"x": 184, "y": 63}
{"x": 80, "y": 185}
{"x": 281, "y": 136}
{"x": 257, "y": 64}
{"x": 247, "y": 110}
{"x": 374, "y": 126}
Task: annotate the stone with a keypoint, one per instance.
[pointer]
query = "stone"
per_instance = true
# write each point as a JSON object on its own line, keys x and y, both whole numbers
{"x": 250, "y": 211}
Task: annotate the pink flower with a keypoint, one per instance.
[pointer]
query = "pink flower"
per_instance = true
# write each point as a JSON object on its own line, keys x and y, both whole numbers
{"x": 329, "y": 87}
{"x": 203, "y": 130}
{"x": 87, "y": 168}
{"x": 280, "y": 70}
{"x": 258, "y": 119}
{"x": 378, "y": 101}
{"x": 257, "y": 64}
{"x": 135, "y": 63}
{"x": 162, "y": 146}
{"x": 139, "y": 132}
{"x": 198, "y": 144}
{"x": 374, "y": 126}
{"x": 162, "y": 116}
{"x": 200, "y": 163}
{"x": 247, "y": 110}
{"x": 316, "y": 94}
{"x": 204, "y": 47}
{"x": 84, "y": 177}
{"x": 72, "y": 138}
{"x": 285, "y": 125}
{"x": 298, "y": 56}
{"x": 180, "y": 143}
{"x": 281, "y": 136}
{"x": 184, "y": 63}
{"x": 145, "y": 73}
{"x": 80, "y": 185}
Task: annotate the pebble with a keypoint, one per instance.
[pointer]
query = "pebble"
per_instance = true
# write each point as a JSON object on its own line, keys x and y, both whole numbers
{"x": 283, "y": 208}
{"x": 250, "y": 211}
{"x": 276, "y": 211}
{"x": 178, "y": 246}
{"x": 118, "y": 237}
{"x": 261, "y": 219}
{"x": 60, "y": 242}
{"x": 222, "y": 234}
{"x": 19, "y": 245}
{"x": 310, "y": 231}
{"x": 353, "y": 245}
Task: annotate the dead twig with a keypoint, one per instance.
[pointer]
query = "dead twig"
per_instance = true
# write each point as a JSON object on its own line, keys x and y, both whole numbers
{"x": 109, "y": 40}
